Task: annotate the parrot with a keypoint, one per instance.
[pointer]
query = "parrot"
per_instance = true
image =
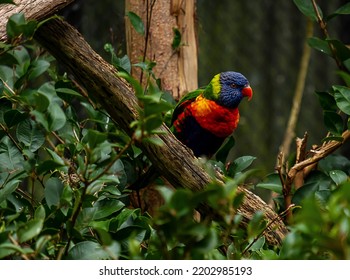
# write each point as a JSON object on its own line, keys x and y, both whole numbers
{"x": 204, "y": 118}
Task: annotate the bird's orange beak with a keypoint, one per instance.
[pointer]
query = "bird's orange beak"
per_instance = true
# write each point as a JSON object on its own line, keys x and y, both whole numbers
{"x": 247, "y": 91}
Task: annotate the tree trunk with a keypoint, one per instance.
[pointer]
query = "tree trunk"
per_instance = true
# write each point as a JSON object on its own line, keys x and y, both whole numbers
{"x": 177, "y": 68}
{"x": 173, "y": 160}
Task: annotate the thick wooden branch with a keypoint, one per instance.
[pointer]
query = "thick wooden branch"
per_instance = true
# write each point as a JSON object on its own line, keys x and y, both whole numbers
{"x": 173, "y": 160}
{"x": 33, "y": 9}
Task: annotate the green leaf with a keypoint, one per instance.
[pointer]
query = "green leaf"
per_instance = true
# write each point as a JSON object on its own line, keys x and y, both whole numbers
{"x": 87, "y": 250}
{"x": 28, "y": 133}
{"x": 122, "y": 63}
{"x": 106, "y": 207}
{"x": 345, "y": 76}
{"x": 49, "y": 91}
{"x": 11, "y": 185}
{"x": 33, "y": 227}
{"x": 152, "y": 122}
{"x": 94, "y": 137}
{"x": 136, "y": 22}
{"x": 342, "y": 51}
{"x": 333, "y": 122}
{"x": 333, "y": 138}
{"x": 156, "y": 107}
{"x": 317, "y": 184}
{"x": 14, "y": 23}
{"x": 53, "y": 191}
{"x": 40, "y": 213}
{"x": 320, "y": 45}
{"x": 272, "y": 182}
{"x": 146, "y": 65}
{"x": 17, "y": 25}
{"x": 342, "y": 97}
{"x": 306, "y": 7}
{"x": 37, "y": 68}
{"x": 133, "y": 82}
{"x": 258, "y": 244}
{"x": 29, "y": 28}
{"x": 40, "y": 102}
{"x": 13, "y": 117}
{"x": 224, "y": 150}
{"x": 256, "y": 225}
{"x": 9, "y": 248}
{"x": 327, "y": 101}
{"x": 48, "y": 166}
{"x": 343, "y": 10}
{"x": 11, "y": 158}
{"x": 67, "y": 195}
{"x": 40, "y": 118}
{"x": 6, "y": 75}
{"x": 334, "y": 162}
{"x": 241, "y": 164}
{"x": 338, "y": 176}
{"x": 68, "y": 94}
{"x": 109, "y": 48}
{"x": 21, "y": 54}
{"x": 56, "y": 118}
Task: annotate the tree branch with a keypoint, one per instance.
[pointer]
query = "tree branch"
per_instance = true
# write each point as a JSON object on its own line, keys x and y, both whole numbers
{"x": 319, "y": 154}
{"x": 33, "y": 9}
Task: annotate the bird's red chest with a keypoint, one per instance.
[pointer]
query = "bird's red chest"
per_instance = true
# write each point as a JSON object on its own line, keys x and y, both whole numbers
{"x": 217, "y": 119}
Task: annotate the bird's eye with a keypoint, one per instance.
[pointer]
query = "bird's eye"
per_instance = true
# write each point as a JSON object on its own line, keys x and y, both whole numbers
{"x": 233, "y": 85}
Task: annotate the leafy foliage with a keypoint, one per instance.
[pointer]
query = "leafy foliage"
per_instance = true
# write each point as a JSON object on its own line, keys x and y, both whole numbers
{"x": 319, "y": 223}
{"x": 335, "y": 104}
{"x": 321, "y": 230}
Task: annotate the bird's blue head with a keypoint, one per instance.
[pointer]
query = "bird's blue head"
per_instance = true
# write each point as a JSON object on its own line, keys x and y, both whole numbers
{"x": 228, "y": 89}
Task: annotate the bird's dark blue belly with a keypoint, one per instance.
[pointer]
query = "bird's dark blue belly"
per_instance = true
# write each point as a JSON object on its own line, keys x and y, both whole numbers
{"x": 199, "y": 140}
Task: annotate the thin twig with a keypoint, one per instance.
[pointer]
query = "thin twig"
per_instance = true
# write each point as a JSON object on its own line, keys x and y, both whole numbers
{"x": 323, "y": 27}
{"x": 279, "y": 167}
{"x": 13, "y": 140}
{"x": 280, "y": 216}
{"x": 148, "y": 28}
{"x": 17, "y": 244}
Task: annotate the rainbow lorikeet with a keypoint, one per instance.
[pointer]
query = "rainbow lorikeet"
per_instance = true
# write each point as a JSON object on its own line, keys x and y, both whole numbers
{"x": 204, "y": 118}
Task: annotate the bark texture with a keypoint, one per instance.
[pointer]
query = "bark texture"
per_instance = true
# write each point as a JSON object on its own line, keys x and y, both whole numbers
{"x": 32, "y": 9}
{"x": 177, "y": 68}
